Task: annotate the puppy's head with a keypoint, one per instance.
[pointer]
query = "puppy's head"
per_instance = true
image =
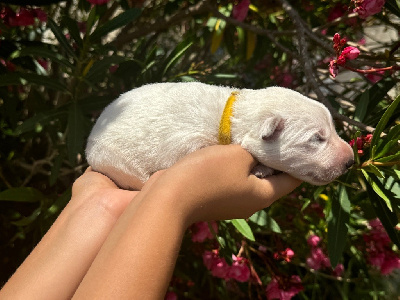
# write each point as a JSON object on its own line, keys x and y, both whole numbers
{"x": 296, "y": 135}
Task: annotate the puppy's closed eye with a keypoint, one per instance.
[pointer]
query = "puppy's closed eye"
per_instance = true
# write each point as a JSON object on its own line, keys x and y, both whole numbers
{"x": 317, "y": 138}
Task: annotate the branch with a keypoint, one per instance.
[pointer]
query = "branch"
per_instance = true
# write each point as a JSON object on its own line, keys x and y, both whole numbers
{"x": 270, "y": 34}
{"x": 161, "y": 24}
{"x": 305, "y": 60}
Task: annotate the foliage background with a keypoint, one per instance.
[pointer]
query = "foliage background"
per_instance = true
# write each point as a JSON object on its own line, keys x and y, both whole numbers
{"x": 57, "y": 74}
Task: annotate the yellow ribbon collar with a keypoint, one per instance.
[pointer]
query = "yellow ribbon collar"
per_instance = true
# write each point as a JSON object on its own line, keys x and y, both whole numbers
{"x": 224, "y": 133}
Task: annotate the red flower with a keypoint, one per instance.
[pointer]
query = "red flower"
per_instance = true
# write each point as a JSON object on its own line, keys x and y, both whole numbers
{"x": 343, "y": 55}
{"x": 239, "y": 269}
{"x": 379, "y": 250}
{"x": 276, "y": 290}
{"x": 23, "y": 17}
{"x": 350, "y": 52}
{"x": 286, "y": 255}
{"x": 240, "y": 10}
{"x": 201, "y": 231}
{"x": 98, "y": 2}
{"x": 361, "y": 142}
{"x": 366, "y": 8}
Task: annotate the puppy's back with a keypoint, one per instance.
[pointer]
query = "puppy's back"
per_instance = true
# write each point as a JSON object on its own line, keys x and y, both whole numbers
{"x": 151, "y": 127}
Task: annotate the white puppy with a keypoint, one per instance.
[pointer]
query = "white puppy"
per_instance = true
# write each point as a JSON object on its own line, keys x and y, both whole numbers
{"x": 151, "y": 127}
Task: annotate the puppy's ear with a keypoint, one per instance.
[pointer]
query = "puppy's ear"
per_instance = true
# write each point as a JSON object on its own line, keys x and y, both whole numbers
{"x": 272, "y": 127}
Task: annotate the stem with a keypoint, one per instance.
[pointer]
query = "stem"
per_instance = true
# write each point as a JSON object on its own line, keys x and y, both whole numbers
{"x": 380, "y": 164}
{"x": 373, "y": 70}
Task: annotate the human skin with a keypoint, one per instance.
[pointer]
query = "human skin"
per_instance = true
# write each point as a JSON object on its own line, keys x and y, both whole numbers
{"x": 115, "y": 244}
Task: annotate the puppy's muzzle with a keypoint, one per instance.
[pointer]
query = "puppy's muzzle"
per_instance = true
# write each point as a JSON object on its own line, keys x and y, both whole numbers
{"x": 350, "y": 163}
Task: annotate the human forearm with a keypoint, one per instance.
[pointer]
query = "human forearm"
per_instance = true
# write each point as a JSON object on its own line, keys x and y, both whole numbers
{"x": 138, "y": 258}
{"x": 57, "y": 265}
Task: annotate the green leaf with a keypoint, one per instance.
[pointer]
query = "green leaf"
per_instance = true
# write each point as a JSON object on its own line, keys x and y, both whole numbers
{"x": 393, "y": 6}
{"x": 389, "y": 158}
{"x": 17, "y": 78}
{"x": 390, "y": 145}
{"x": 44, "y": 52}
{"x": 362, "y": 106}
{"x": 263, "y": 219}
{"x": 388, "y": 218}
{"x": 64, "y": 43}
{"x": 119, "y": 21}
{"x": 383, "y": 121}
{"x": 374, "y": 169}
{"x": 45, "y": 81}
{"x": 100, "y": 67}
{"x": 73, "y": 30}
{"x": 394, "y": 133}
{"x": 378, "y": 188}
{"x": 76, "y": 132}
{"x": 337, "y": 225}
{"x": 244, "y": 228}
{"x": 21, "y": 194}
{"x": 375, "y": 94}
{"x": 28, "y": 220}
{"x": 176, "y": 54}
{"x": 42, "y": 119}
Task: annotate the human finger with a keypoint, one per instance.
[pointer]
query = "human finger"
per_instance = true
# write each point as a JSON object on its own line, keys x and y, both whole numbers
{"x": 268, "y": 190}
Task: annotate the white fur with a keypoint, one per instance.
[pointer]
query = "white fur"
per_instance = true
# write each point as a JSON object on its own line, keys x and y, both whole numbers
{"x": 152, "y": 127}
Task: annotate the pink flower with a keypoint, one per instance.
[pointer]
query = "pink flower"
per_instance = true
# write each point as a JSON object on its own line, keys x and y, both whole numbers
{"x": 98, "y": 2}
{"x": 336, "y": 12}
{"x": 375, "y": 77}
{"x": 361, "y": 142}
{"x": 239, "y": 269}
{"x": 23, "y": 17}
{"x": 366, "y": 8}
{"x": 338, "y": 271}
{"x": 333, "y": 68}
{"x": 40, "y": 14}
{"x": 318, "y": 259}
{"x": 217, "y": 265}
{"x": 379, "y": 250}
{"x": 201, "y": 231}
{"x": 276, "y": 290}
{"x": 350, "y": 52}
{"x": 286, "y": 255}
{"x": 170, "y": 296}
{"x": 240, "y": 11}
{"x": 313, "y": 240}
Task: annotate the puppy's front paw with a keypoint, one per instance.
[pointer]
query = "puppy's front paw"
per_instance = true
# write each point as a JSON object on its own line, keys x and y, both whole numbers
{"x": 262, "y": 171}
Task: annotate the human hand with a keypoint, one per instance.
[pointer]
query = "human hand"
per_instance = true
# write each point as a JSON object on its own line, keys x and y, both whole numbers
{"x": 216, "y": 183}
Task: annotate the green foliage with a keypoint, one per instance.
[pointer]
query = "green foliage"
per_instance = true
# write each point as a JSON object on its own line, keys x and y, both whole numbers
{"x": 57, "y": 76}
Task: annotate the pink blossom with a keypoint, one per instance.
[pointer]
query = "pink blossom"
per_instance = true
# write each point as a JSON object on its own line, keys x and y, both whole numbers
{"x": 333, "y": 68}
{"x": 361, "y": 142}
{"x": 375, "y": 77}
{"x": 286, "y": 254}
{"x": 338, "y": 271}
{"x": 201, "y": 231}
{"x": 98, "y": 2}
{"x": 240, "y": 10}
{"x": 318, "y": 260}
{"x": 217, "y": 265}
{"x": 379, "y": 250}
{"x": 336, "y": 12}
{"x": 350, "y": 52}
{"x": 40, "y": 14}
{"x": 292, "y": 287}
{"x": 366, "y": 8}
{"x": 239, "y": 269}
{"x": 23, "y": 17}
{"x": 170, "y": 296}
{"x": 313, "y": 240}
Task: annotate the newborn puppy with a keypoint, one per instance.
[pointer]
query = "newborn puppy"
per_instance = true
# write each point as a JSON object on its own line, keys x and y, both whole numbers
{"x": 150, "y": 128}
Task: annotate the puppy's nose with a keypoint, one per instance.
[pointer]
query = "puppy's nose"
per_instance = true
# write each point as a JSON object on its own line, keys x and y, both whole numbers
{"x": 350, "y": 163}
